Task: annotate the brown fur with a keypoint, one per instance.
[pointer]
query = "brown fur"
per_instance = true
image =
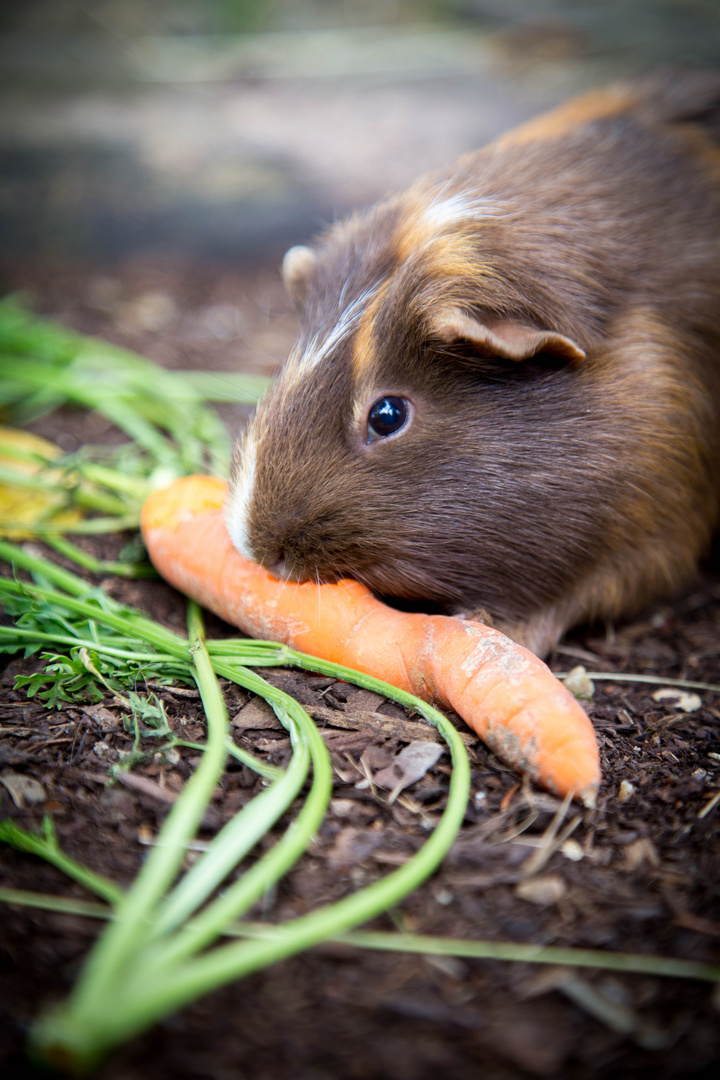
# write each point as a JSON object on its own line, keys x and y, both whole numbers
{"x": 560, "y": 349}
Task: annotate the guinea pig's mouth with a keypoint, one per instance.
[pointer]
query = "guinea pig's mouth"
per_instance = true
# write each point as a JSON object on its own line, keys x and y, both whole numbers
{"x": 280, "y": 569}
{"x": 401, "y": 586}
{"x": 283, "y": 569}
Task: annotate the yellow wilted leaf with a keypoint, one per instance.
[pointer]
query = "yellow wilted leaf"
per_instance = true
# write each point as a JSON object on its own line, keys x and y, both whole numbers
{"x": 24, "y": 459}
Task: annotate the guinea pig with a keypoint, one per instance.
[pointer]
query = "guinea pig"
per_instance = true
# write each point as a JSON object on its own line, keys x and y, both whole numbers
{"x": 506, "y": 391}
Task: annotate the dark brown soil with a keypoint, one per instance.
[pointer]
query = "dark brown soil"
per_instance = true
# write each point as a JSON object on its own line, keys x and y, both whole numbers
{"x": 640, "y": 873}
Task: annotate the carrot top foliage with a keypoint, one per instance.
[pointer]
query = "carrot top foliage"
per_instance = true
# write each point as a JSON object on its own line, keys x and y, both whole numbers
{"x": 161, "y": 949}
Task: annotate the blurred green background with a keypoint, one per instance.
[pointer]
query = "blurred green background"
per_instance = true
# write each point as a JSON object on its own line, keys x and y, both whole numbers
{"x": 229, "y": 129}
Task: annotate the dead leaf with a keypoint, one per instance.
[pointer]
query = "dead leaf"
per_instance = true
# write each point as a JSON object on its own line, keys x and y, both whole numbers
{"x": 376, "y": 757}
{"x": 408, "y": 767}
{"x": 24, "y": 790}
{"x": 106, "y": 720}
{"x": 255, "y": 716}
{"x": 23, "y": 507}
{"x": 353, "y": 845}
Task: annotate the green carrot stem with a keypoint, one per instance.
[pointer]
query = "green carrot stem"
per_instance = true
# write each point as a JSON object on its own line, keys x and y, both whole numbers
{"x": 65, "y": 547}
{"x": 637, "y": 963}
{"x": 147, "y": 997}
{"x": 118, "y": 619}
{"x": 238, "y": 897}
{"x": 136, "y": 487}
{"x": 131, "y": 929}
{"x": 231, "y": 845}
{"x": 226, "y": 386}
{"x": 91, "y": 396}
{"x": 423, "y": 944}
{"x": 262, "y": 768}
{"x": 96, "y": 526}
{"x": 45, "y": 846}
{"x": 66, "y": 905}
{"x": 21, "y": 635}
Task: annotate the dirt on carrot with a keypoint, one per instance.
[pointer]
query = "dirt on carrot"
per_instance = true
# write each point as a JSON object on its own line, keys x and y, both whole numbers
{"x": 503, "y": 692}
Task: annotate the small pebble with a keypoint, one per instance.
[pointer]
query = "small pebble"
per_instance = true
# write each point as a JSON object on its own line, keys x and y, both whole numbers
{"x": 572, "y": 850}
{"x": 625, "y": 790}
{"x": 542, "y": 891}
{"x": 579, "y": 683}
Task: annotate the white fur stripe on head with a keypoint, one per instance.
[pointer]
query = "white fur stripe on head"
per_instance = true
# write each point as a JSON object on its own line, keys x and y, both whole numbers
{"x": 443, "y": 213}
{"x": 323, "y": 343}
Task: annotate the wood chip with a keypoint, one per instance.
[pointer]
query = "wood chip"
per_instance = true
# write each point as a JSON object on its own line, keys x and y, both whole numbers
{"x": 24, "y": 790}
{"x": 106, "y": 720}
{"x": 579, "y": 683}
{"x": 625, "y": 790}
{"x": 147, "y": 787}
{"x": 255, "y": 716}
{"x": 641, "y": 852}
{"x": 384, "y": 725}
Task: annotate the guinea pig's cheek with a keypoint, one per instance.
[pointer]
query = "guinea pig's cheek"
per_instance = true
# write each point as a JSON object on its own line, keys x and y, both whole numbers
{"x": 237, "y": 517}
{"x": 240, "y": 496}
{"x": 237, "y": 529}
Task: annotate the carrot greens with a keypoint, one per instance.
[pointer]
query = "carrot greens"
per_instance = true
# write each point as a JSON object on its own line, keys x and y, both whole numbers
{"x": 165, "y": 414}
{"x": 160, "y": 951}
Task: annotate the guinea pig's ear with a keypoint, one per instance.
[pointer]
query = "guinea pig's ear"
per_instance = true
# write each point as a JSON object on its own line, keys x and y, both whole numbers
{"x": 502, "y": 336}
{"x": 298, "y": 267}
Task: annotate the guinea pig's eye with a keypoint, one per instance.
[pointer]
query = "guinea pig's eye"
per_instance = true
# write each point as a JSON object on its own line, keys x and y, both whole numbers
{"x": 387, "y": 416}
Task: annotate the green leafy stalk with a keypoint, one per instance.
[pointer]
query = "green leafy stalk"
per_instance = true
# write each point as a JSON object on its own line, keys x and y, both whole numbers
{"x": 169, "y": 976}
{"x": 65, "y": 547}
{"x": 45, "y": 845}
{"x": 159, "y": 952}
{"x": 638, "y": 963}
{"x": 424, "y": 944}
{"x": 66, "y": 487}
{"x": 131, "y": 929}
{"x": 44, "y": 365}
{"x": 211, "y": 969}
{"x": 212, "y": 868}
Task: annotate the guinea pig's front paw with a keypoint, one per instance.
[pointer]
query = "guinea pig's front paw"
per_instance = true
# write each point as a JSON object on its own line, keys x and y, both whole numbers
{"x": 539, "y": 633}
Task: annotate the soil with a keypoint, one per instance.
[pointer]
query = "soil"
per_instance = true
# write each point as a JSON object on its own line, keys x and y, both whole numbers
{"x": 639, "y": 873}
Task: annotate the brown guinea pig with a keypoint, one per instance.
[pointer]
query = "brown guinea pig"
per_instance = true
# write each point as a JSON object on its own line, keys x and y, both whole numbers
{"x": 506, "y": 392}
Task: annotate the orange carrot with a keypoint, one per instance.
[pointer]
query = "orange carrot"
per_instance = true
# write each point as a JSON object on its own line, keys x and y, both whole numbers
{"x": 503, "y": 692}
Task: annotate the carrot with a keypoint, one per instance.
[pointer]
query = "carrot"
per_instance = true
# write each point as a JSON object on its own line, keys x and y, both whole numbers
{"x": 503, "y": 692}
